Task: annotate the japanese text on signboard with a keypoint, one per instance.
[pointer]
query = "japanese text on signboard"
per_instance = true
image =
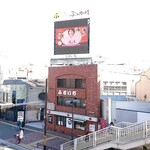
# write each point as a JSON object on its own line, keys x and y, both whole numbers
{"x": 67, "y": 92}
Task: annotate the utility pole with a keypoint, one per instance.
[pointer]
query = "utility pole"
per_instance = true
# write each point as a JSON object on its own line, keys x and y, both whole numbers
{"x": 45, "y": 116}
{"x": 72, "y": 121}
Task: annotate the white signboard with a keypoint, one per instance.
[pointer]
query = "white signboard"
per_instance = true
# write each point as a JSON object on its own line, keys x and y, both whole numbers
{"x": 91, "y": 127}
{"x": 51, "y": 106}
{"x": 69, "y": 122}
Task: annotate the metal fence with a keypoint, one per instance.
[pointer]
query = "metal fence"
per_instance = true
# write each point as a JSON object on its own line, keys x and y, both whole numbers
{"x": 121, "y": 133}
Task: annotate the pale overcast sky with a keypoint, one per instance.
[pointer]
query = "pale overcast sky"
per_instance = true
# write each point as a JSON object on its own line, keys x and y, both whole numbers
{"x": 118, "y": 28}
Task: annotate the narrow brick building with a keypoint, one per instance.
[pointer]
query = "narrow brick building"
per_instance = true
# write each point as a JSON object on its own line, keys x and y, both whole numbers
{"x": 73, "y": 96}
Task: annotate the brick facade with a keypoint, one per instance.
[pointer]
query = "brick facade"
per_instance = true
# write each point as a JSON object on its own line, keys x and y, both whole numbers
{"x": 90, "y": 114}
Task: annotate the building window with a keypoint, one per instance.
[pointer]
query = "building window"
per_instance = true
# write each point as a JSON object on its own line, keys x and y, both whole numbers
{"x": 117, "y": 83}
{"x": 105, "y": 82}
{"x": 111, "y": 88}
{"x": 106, "y": 88}
{"x": 1, "y": 97}
{"x": 79, "y": 83}
{"x": 79, "y": 125}
{"x": 61, "y": 121}
{"x": 124, "y": 83}
{"x": 66, "y": 101}
{"x": 117, "y": 88}
{"x": 50, "y": 119}
{"x": 7, "y": 97}
{"x": 71, "y": 83}
{"x": 4, "y": 97}
{"x": 111, "y": 82}
{"x": 14, "y": 97}
{"x": 124, "y": 88}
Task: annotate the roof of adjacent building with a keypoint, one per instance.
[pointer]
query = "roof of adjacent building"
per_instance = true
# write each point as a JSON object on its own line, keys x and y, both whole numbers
{"x": 12, "y": 82}
{"x": 114, "y": 97}
{"x": 32, "y": 83}
{"x": 118, "y": 97}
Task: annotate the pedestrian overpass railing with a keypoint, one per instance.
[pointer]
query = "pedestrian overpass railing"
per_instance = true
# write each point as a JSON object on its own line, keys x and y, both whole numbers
{"x": 123, "y": 124}
{"x": 121, "y": 133}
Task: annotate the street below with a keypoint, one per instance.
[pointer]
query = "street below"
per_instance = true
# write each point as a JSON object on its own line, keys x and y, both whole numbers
{"x": 33, "y": 136}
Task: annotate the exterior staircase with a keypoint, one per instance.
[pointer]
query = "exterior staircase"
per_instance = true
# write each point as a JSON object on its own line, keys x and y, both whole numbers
{"x": 123, "y": 136}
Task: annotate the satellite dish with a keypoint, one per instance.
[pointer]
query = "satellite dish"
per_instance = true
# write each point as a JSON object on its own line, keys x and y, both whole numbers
{"x": 42, "y": 96}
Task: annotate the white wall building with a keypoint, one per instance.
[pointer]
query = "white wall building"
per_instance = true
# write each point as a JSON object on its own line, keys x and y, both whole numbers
{"x": 118, "y": 79}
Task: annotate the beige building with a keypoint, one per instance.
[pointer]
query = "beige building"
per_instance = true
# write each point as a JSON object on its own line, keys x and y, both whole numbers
{"x": 142, "y": 87}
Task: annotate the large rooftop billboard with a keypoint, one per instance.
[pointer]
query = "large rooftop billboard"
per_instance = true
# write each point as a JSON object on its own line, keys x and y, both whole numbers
{"x": 71, "y": 36}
